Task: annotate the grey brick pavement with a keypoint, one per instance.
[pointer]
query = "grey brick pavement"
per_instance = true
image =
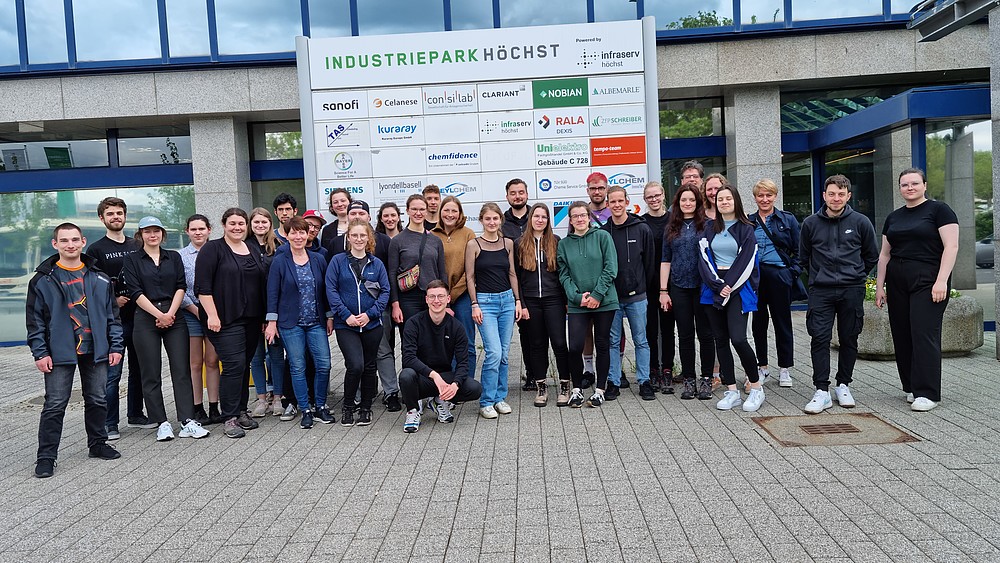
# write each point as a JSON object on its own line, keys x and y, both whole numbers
{"x": 667, "y": 480}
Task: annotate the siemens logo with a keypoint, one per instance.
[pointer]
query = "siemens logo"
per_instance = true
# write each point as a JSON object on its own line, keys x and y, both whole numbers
{"x": 341, "y": 106}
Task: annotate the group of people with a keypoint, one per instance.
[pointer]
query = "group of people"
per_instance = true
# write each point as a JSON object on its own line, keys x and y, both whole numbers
{"x": 264, "y": 298}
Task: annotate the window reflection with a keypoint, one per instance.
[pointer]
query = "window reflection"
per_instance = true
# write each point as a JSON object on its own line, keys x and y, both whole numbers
{"x": 515, "y": 13}
{"x": 614, "y": 10}
{"x": 670, "y": 168}
{"x": 102, "y": 38}
{"x": 154, "y": 150}
{"x": 400, "y": 16}
{"x": 902, "y": 6}
{"x": 279, "y": 140}
{"x": 683, "y": 119}
{"x": 824, "y": 9}
{"x": 45, "y": 155}
{"x": 762, "y": 11}
{"x": 689, "y": 14}
{"x": 8, "y": 34}
{"x": 796, "y": 184}
{"x": 472, "y": 14}
{"x": 257, "y": 26}
{"x": 329, "y": 18}
{"x": 265, "y": 192}
{"x": 187, "y": 28}
{"x": 46, "y": 31}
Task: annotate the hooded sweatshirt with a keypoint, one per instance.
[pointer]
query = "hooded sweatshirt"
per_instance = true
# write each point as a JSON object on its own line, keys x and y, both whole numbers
{"x": 838, "y": 251}
{"x": 588, "y": 263}
{"x": 637, "y": 259}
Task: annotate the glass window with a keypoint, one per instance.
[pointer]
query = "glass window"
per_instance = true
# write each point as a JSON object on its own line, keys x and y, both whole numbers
{"x": 257, "y": 26}
{"x": 472, "y": 14}
{"x": 516, "y": 13}
{"x": 46, "y": 31}
{"x": 62, "y": 152}
{"x": 276, "y": 141}
{"x": 187, "y": 28}
{"x": 400, "y": 16}
{"x": 680, "y": 119}
{"x": 671, "y": 14}
{"x": 265, "y": 192}
{"x": 614, "y": 10}
{"x": 8, "y": 34}
{"x": 671, "y": 169}
{"x": 858, "y": 164}
{"x": 902, "y": 6}
{"x": 824, "y": 9}
{"x": 329, "y": 18}
{"x": 762, "y": 11}
{"x": 796, "y": 184}
{"x": 144, "y": 150}
{"x": 132, "y": 32}
{"x": 27, "y": 220}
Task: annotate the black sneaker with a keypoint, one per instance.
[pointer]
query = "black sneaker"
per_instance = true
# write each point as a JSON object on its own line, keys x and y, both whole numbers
{"x": 674, "y": 377}
{"x": 364, "y": 417}
{"x": 576, "y": 399}
{"x": 200, "y": 416}
{"x": 347, "y": 416}
{"x": 596, "y": 400}
{"x": 141, "y": 422}
{"x": 45, "y": 468}
{"x": 113, "y": 433}
{"x": 588, "y": 379}
{"x": 529, "y": 385}
{"x": 646, "y": 391}
{"x": 612, "y": 392}
{"x": 705, "y": 389}
{"x": 324, "y": 416}
{"x": 625, "y": 384}
{"x": 307, "y": 419}
{"x": 667, "y": 388}
{"x": 391, "y": 402}
{"x": 104, "y": 451}
{"x": 690, "y": 390}
{"x": 246, "y": 422}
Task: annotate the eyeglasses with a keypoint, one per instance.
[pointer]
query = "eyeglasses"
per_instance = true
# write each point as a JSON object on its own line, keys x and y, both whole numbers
{"x": 597, "y": 188}
{"x": 437, "y": 297}
{"x": 358, "y": 235}
{"x": 690, "y": 177}
{"x": 579, "y": 216}
{"x": 653, "y": 197}
{"x": 314, "y": 228}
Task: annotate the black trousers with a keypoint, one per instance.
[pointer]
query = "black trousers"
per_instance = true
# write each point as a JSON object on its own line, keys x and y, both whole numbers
{"x": 522, "y": 335}
{"x": 236, "y": 344}
{"x": 545, "y": 326}
{"x": 729, "y": 324}
{"x": 58, "y": 388}
{"x": 360, "y": 350}
{"x": 579, "y": 326}
{"x": 915, "y": 320}
{"x": 148, "y": 339}
{"x": 845, "y": 305}
{"x": 413, "y": 387}
{"x": 692, "y": 318}
{"x": 659, "y": 334}
{"x": 774, "y": 303}
{"x": 411, "y": 303}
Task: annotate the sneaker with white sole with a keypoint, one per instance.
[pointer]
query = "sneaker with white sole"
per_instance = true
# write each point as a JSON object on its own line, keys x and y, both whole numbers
{"x": 819, "y": 403}
{"x": 192, "y": 429}
{"x": 440, "y": 408}
{"x": 909, "y": 398}
{"x": 503, "y": 408}
{"x": 412, "y": 422}
{"x": 488, "y": 412}
{"x": 730, "y": 399}
{"x": 922, "y": 404}
{"x": 576, "y": 398}
{"x": 165, "y": 432}
{"x": 289, "y": 414}
{"x": 762, "y": 375}
{"x": 784, "y": 378}
{"x": 844, "y": 397}
{"x": 754, "y": 400}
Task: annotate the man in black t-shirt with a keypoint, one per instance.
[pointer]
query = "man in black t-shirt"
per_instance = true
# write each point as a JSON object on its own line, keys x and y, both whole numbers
{"x": 109, "y": 255}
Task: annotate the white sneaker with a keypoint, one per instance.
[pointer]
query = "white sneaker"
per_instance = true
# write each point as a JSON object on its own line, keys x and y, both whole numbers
{"x": 502, "y": 407}
{"x": 909, "y": 398}
{"x": 819, "y": 403}
{"x": 289, "y": 414}
{"x": 844, "y": 397}
{"x": 412, "y": 423}
{"x": 784, "y": 378}
{"x": 922, "y": 404}
{"x": 440, "y": 408}
{"x": 192, "y": 430}
{"x": 165, "y": 432}
{"x": 730, "y": 399}
{"x": 754, "y": 400}
{"x": 488, "y": 412}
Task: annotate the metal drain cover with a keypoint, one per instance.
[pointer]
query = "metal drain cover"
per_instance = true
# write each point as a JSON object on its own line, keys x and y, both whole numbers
{"x": 832, "y": 430}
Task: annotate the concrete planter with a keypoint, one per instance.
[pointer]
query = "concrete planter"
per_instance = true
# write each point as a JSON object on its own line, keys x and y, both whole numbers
{"x": 961, "y": 330}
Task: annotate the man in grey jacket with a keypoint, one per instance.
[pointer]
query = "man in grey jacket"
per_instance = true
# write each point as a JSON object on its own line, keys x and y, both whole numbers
{"x": 72, "y": 320}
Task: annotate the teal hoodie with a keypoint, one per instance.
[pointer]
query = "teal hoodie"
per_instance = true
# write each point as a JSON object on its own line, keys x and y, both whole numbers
{"x": 588, "y": 263}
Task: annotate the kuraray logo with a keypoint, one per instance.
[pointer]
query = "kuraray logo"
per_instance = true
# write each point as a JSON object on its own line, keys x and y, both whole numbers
{"x": 396, "y": 129}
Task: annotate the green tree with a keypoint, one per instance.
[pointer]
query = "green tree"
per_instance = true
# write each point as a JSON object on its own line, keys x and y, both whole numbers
{"x": 982, "y": 168}
{"x": 172, "y": 205}
{"x": 283, "y": 145}
{"x": 685, "y": 123}
{"x": 701, "y": 19}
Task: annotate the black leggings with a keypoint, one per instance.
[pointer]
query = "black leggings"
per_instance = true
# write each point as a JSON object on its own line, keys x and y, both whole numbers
{"x": 659, "y": 334}
{"x": 236, "y": 343}
{"x": 546, "y": 325}
{"x": 147, "y": 339}
{"x": 360, "y": 351}
{"x": 692, "y": 318}
{"x": 730, "y": 325}
{"x": 579, "y": 326}
{"x": 411, "y": 303}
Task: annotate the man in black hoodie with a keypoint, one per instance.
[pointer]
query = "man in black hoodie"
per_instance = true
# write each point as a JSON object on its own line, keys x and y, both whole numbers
{"x": 838, "y": 247}
{"x": 637, "y": 265}
{"x": 515, "y": 221}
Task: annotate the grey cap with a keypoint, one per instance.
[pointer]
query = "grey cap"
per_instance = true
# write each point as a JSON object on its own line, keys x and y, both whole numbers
{"x": 150, "y": 222}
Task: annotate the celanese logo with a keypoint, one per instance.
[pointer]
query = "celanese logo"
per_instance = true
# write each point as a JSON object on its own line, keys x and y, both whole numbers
{"x": 377, "y": 102}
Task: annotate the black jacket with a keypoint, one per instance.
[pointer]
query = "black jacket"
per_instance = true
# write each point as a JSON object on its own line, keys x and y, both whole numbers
{"x": 430, "y": 347}
{"x": 513, "y": 227}
{"x": 52, "y": 334}
{"x": 217, "y": 273}
{"x": 638, "y": 264}
{"x": 838, "y": 251}
{"x": 540, "y": 282}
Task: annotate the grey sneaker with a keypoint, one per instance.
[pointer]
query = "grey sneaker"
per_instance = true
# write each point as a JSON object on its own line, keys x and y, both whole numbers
{"x": 690, "y": 390}
{"x": 233, "y": 430}
{"x": 441, "y": 409}
{"x": 113, "y": 433}
{"x": 705, "y": 389}
{"x": 290, "y": 413}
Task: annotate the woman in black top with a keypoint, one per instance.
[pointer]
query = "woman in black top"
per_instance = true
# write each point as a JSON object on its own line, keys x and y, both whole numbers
{"x": 155, "y": 281}
{"x": 919, "y": 246}
{"x": 414, "y": 244}
{"x": 231, "y": 286}
{"x": 544, "y": 305}
{"x": 268, "y": 364}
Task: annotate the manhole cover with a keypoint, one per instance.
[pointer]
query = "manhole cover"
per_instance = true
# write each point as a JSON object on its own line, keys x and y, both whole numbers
{"x": 76, "y": 396}
{"x": 832, "y": 430}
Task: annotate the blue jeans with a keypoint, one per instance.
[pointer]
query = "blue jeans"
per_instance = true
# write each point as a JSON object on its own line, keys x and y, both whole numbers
{"x": 58, "y": 386}
{"x": 463, "y": 312}
{"x": 296, "y": 340}
{"x": 272, "y": 355}
{"x": 496, "y": 330}
{"x": 636, "y": 313}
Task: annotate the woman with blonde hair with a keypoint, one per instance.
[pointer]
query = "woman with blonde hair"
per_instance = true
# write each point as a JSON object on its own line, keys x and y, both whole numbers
{"x": 268, "y": 364}
{"x": 455, "y": 236}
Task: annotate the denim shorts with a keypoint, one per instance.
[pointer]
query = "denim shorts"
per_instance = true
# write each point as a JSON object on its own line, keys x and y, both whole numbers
{"x": 194, "y": 325}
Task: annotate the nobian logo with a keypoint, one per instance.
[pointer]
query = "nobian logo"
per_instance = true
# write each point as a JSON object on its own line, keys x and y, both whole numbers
{"x": 564, "y": 93}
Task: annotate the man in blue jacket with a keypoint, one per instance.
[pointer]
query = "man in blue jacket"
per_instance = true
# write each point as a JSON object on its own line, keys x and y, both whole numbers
{"x": 837, "y": 245}
{"x": 72, "y": 320}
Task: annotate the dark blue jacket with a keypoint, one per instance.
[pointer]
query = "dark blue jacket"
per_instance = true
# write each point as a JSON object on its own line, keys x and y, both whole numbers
{"x": 742, "y": 276}
{"x": 283, "y": 288}
{"x": 784, "y": 229}
{"x": 50, "y": 329}
{"x": 349, "y": 295}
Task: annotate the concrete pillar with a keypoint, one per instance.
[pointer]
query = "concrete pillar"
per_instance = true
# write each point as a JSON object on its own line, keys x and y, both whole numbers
{"x": 959, "y": 193}
{"x": 753, "y": 139}
{"x": 893, "y": 154}
{"x": 994, "y": 51}
{"x": 221, "y": 159}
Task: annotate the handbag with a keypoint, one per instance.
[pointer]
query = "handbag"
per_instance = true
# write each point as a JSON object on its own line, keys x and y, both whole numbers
{"x": 408, "y": 279}
{"x": 798, "y": 289}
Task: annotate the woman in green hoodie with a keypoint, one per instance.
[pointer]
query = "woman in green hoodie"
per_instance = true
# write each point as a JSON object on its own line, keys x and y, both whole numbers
{"x": 588, "y": 266}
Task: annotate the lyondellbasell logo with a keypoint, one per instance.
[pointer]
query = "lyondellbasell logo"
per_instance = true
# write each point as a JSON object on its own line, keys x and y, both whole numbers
{"x": 343, "y": 161}
{"x": 544, "y": 122}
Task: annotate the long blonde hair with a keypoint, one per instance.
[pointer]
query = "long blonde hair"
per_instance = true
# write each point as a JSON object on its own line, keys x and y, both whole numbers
{"x": 271, "y": 242}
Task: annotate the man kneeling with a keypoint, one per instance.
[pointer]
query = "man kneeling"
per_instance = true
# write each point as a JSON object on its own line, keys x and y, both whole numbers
{"x": 433, "y": 341}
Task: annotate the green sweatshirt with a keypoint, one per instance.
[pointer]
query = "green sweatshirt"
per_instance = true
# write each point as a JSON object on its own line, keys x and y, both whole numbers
{"x": 588, "y": 263}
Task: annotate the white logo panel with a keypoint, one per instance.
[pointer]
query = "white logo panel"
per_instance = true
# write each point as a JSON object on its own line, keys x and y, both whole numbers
{"x": 343, "y": 164}
{"x": 505, "y": 96}
{"x": 618, "y": 120}
{"x": 339, "y": 105}
{"x": 622, "y": 89}
{"x": 394, "y": 103}
{"x": 459, "y": 98}
{"x": 342, "y": 135}
{"x": 445, "y": 129}
{"x": 399, "y": 161}
{"x": 562, "y": 153}
{"x": 507, "y": 155}
{"x": 453, "y": 158}
{"x": 397, "y": 132}
{"x": 506, "y": 126}
{"x": 561, "y": 122}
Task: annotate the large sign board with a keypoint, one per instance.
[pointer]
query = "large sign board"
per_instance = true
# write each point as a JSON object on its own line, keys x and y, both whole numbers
{"x": 384, "y": 116}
